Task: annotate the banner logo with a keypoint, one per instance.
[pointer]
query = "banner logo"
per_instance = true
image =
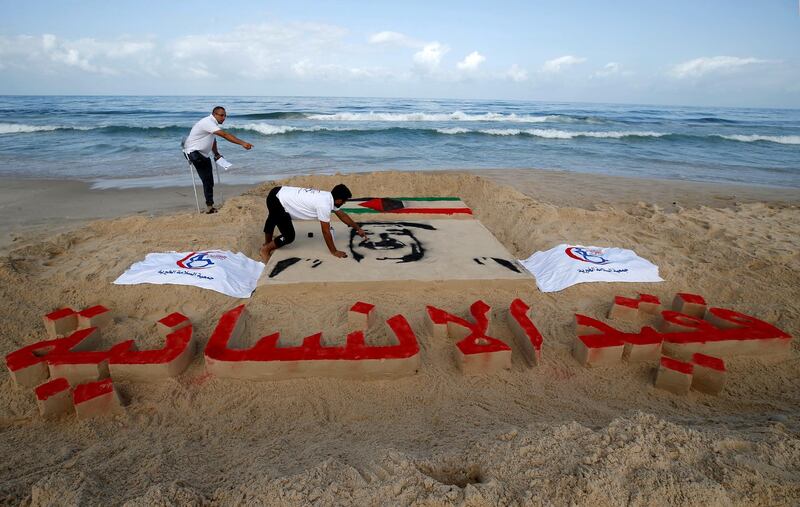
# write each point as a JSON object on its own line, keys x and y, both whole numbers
{"x": 199, "y": 260}
{"x": 586, "y": 255}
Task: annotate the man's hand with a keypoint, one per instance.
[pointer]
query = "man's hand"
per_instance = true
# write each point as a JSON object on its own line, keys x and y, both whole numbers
{"x": 361, "y": 232}
{"x": 340, "y": 254}
{"x": 247, "y": 146}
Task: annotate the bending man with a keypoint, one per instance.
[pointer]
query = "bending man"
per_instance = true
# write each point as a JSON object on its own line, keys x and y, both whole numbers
{"x": 286, "y": 203}
{"x": 199, "y": 145}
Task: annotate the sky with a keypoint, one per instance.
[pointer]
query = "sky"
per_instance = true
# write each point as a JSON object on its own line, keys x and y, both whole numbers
{"x": 705, "y": 53}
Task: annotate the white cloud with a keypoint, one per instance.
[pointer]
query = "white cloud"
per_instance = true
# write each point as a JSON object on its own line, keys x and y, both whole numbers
{"x": 612, "y": 70}
{"x": 517, "y": 74}
{"x": 609, "y": 69}
{"x": 558, "y": 64}
{"x": 50, "y": 54}
{"x": 471, "y": 62}
{"x": 307, "y": 69}
{"x": 430, "y": 56}
{"x": 396, "y": 38}
{"x": 712, "y": 64}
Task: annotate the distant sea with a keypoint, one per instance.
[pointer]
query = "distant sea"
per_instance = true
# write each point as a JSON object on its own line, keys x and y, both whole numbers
{"x": 135, "y": 141}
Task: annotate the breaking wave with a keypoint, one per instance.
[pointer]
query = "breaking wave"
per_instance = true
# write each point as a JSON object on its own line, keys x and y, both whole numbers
{"x": 755, "y": 138}
{"x": 552, "y": 133}
{"x": 433, "y": 117}
{"x": 19, "y": 128}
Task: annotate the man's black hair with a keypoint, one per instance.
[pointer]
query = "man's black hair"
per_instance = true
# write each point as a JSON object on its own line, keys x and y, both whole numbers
{"x": 217, "y": 108}
{"x": 341, "y": 192}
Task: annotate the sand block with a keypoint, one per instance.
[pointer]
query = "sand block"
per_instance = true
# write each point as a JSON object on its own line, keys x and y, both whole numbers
{"x": 266, "y": 361}
{"x": 60, "y": 322}
{"x": 26, "y": 371}
{"x": 482, "y": 356}
{"x": 54, "y": 398}
{"x": 689, "y": 304}
{"x": 361, "y": 316}
{"x": 525, "y": 332}
{"x": 126, "y": 362}
{"x": 445, "y": 324}
{"x": 172, "y": 323}
{"x": 29, "y": 365}
{"x": 724, "y": 333}
{"x": 597, "y": 350}
{"x": 95, "y": 316}
{"x": 631, "y": 309}
{"x": 436, "y": 323}
{"x": 709, "y": 374}
{"x": 642, "y": 347}
{"x": 78, "y": 367}
{"x": 671, "y": 321}
{"x": 674, "y": 376}
{"x": 96, "y": 399}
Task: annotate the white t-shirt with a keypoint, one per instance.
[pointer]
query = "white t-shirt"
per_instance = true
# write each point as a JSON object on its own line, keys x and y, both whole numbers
{"x": 307, "y": 203}
{"x": 201, "y": 138}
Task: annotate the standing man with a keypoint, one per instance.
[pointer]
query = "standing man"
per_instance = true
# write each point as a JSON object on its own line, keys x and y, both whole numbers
{"x": 199, "y": 145}
{"x": 286, "y": 203}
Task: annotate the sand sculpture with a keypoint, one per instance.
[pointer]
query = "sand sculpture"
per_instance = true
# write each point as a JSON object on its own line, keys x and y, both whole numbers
{"x": 694, "y": 342}
{"x": 266, "y": 361}
{"x": 67, "y": 375}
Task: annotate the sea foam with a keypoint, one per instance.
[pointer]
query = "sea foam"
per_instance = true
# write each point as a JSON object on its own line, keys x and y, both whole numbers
{"x": 432, "y": 117}
{"x": 772, "y": 139}
{"x": 552, "y": 133}
{"x": 20, "y": 128}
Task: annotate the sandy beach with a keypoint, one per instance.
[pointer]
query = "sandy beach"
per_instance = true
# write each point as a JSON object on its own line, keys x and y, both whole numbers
{"x": 556, "y": 434}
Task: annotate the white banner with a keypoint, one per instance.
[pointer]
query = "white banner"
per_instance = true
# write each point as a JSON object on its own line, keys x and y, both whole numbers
{"x": 233, "y": 274}
{"x": 566, "y": 265}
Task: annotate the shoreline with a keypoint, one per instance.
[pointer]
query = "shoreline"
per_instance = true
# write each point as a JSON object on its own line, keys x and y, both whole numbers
{"x": 32, "y": 208}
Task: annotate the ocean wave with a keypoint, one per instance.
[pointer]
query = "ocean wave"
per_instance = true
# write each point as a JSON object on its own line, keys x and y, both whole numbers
{"x": 272, "y": 130}
{"x": 754, "y": 138}
{"x": 553, "y": 133}
{"x": 711, "y": 119}
{"x": 20, "y": 128}
{"x": 454, "y": 130}
{"x": 268, "y": 130}
{"x": 277, "y": 115}
{"x": 432, "y": 117}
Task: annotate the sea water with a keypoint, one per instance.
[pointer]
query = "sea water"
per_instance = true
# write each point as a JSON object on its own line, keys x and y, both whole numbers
{"x": 135, "y": 141}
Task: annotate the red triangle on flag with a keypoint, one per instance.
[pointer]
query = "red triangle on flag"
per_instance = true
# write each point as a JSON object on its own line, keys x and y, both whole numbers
{"x": 376, "y": 204}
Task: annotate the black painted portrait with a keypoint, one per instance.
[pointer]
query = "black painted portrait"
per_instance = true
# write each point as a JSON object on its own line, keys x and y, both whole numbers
{"x": 389, "y": 241}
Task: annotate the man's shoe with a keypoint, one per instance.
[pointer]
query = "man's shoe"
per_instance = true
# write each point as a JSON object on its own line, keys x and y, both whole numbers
{"x": 211, "y": 209}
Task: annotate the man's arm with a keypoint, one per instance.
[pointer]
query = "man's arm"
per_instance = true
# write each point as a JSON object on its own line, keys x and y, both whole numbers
{"x": 326, "y": 233}
{"x": 232, "y": 138}
{"x": 215, "y": 150}
{"x": 344, "y": 217}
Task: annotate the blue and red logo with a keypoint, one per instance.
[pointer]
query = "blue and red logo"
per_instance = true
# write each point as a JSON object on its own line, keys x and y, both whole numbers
{"x": 592, "y": 256}
{"x": 199, "y": 260}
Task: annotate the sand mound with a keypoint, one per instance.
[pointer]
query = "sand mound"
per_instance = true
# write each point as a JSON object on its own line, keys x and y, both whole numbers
{"x": 555, "y": 434}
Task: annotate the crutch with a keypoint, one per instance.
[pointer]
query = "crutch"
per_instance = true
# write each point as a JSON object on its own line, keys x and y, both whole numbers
{"x": 219, "y": 182}
{"x": 191, "y": 173}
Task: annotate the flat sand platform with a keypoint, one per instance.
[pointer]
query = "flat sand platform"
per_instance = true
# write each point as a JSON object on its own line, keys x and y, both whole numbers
{"x": 405, "y": 248}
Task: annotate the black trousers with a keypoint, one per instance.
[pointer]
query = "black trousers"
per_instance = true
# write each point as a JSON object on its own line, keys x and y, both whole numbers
{"x": 202, "y": 165}
{"x": 278, "y": 217}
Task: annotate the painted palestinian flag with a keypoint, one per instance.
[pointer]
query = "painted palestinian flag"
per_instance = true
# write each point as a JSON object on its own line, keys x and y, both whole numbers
{"x": 408, "y": 205}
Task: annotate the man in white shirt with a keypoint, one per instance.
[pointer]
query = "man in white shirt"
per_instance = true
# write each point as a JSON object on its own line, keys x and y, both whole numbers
{"x": 286, "y": 203}
{"x": 199, "y": 145}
